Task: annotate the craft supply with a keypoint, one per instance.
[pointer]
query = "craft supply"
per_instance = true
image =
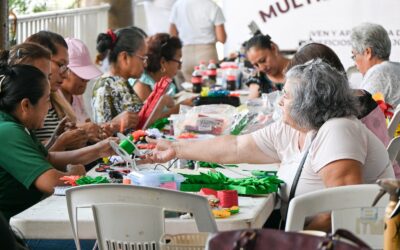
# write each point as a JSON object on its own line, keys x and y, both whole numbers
{"x": 228, "y": 198}
{"x": 127, "y": 145}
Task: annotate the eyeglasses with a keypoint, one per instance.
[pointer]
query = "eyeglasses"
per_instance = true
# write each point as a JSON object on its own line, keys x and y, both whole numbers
{"x": 62, "y": 68}
{"x": 177, "y": 61}
{"x": 143, "y": 58}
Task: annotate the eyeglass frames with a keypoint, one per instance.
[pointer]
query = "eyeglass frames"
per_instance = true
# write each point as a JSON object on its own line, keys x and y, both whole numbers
{"x": 143, "y": 58}
{"x": 177, "y": 61}
{"x": 62, "y": 68}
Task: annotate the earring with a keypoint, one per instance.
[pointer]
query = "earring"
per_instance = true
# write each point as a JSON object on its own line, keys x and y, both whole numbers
{"x": 163, "y": 70}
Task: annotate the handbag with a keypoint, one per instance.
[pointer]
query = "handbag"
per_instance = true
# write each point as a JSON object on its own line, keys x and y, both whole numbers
{"x": 257, "y": 239}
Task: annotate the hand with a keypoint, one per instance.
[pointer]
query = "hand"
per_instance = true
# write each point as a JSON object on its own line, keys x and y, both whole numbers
{"x": 163, "y": 152}
{"x": 125, "y": 120}
{"x": 61, "y": 127}
{"x": 106, "y": 130}
{"x": 104, "y": 148}
{"x": 78, "y": 169}
{"x": 72, "y": 139}
{"x": 93, "y": 131}
{"x": 188, "y": 101}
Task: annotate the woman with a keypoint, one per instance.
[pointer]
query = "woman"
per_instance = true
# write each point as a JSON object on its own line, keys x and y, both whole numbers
{"x": 370, "y": 113}
{"x": 164, "y": 59}
{"x": 318, "y": 114}
{"x": 74, "y": 85}
{"x": 27, "y": 170}
{"x": 112, "y": 95}
{"x": 264, "y": 54}
{"x": 74, "y": 138}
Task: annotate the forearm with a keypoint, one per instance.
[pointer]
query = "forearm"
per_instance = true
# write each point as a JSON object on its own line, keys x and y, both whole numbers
{"x": 220, "y": 149}
{"x": 223, "y": 149}
{"x": 80, "y": 156}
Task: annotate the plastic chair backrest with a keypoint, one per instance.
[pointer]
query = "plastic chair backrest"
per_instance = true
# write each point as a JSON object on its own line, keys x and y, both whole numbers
{"x": 394, "y": 122}
{"x": 393, "y": 148}
{"x": 86, "y": 196}
{"x": 351, "y": 210}
{"x": 128, "y": 226}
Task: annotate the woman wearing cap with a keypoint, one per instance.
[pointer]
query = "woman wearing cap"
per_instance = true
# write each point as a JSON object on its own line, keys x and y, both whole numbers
{"x": 113, "y": 97}
{"x": 74, "y": 85}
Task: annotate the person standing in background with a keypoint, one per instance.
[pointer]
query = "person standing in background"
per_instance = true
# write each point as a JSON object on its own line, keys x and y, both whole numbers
{"x": 199, "y": 24}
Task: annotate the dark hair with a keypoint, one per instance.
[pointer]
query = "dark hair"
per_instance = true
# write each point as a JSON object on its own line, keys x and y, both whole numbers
{"x": 129, "y": 39}
{"x": 8, "y": 239}
{"x": 259, "y": 41}
{"x": 313, "y": 51}
{"x": 161, "y": 45}
{"x": 48, "y": 40}
{"x": 18, "y": 82}
{"x": 24, "y": 53}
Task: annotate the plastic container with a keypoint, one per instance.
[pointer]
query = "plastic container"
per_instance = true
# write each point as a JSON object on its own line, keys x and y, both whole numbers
{"x": 156, "y": 178}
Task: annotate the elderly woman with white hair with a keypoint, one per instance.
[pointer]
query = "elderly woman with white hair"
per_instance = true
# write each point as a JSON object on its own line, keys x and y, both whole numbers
{"x": 371, "y": 49}
{"x": 319, "y": 125}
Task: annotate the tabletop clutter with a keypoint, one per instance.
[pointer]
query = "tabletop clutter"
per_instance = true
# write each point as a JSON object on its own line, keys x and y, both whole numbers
{"x": 191, "y": 124}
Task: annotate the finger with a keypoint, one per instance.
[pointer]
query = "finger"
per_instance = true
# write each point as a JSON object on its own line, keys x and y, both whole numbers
{"x": 150, "y": 140}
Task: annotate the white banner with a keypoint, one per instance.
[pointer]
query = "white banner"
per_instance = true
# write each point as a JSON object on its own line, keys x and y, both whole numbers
{"x": 325, "y": 21}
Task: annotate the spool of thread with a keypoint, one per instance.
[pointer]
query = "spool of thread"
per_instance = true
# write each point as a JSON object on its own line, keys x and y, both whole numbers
{"x": 127, "y": 145}
{"x": 126, "y": 180}
{"x": 228, "y": 198}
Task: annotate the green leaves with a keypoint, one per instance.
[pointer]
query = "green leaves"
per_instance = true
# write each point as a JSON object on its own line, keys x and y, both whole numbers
{"x": 251, "y": 185}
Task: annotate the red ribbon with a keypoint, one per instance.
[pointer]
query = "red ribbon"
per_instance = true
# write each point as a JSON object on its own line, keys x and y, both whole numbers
{"x": 112, "y": 35}
{"x": 386, "y": 108}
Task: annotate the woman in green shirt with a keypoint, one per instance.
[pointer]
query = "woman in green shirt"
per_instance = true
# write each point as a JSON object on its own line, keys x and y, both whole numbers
{"x": 27, "y": 170}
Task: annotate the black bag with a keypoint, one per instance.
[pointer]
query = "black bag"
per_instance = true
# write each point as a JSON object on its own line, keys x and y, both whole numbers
{"x": 258, "y": 239}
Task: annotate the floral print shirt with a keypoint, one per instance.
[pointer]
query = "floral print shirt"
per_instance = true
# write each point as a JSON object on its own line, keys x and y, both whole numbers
{"x": 111, "y": 96}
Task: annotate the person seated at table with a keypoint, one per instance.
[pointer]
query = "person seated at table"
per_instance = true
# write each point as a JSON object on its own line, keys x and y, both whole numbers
{"x": 27, "y": 170}
{"x": 164, "y": 59}
{"x": 370, "y": 113}
{"x": 113, "y": 95}
{"x": 36, "y": 55}
{"x": 264, "y": 55}
{"x": 319, "y": 122}
{"x": 371, "y": 48}
{"x": 82, "y": 70}
{"x": 60, "y": 109}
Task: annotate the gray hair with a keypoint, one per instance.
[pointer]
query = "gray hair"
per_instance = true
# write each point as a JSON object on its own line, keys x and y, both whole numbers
{"x": 320, "y": 93}
{"x": 374, "y": 36}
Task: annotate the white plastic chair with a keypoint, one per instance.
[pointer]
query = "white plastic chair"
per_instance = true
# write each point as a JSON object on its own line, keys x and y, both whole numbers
{"x": 351, "y": 210}
{"x": 393, "y": 148}
{"x": 394, "y": 122}
{"x": 128, "y": 226}
{"x": 86, "y": 196}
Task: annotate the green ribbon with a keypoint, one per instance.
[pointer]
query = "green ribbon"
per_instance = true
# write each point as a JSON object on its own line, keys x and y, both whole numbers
{"x": 85, "y": 180}
{"x": 218, "y": 181}
{"x": 160, "y": 123}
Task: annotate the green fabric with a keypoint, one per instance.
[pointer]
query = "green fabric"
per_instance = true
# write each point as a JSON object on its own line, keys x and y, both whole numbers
{"x": 85, "y": 180}
{"x": 203, "y": 164}
{"x": 22, "y": 160}
{"x": 218, "y": 181}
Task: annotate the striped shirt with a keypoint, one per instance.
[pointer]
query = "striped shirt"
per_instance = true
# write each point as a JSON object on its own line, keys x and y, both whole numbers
{"x": 50, "y": 123}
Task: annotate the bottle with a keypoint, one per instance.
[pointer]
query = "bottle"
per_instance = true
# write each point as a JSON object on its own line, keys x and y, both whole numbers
{"x": 231, "y": 82}
{"x": 197, "y": 80}
{"x": 212, "y": 72}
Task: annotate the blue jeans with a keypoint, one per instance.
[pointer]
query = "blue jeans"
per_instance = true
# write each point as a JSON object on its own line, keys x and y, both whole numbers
{"x": 58, "y": 244}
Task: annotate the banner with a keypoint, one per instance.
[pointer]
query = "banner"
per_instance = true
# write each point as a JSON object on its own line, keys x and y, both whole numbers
{"x": 326, "y": 21}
